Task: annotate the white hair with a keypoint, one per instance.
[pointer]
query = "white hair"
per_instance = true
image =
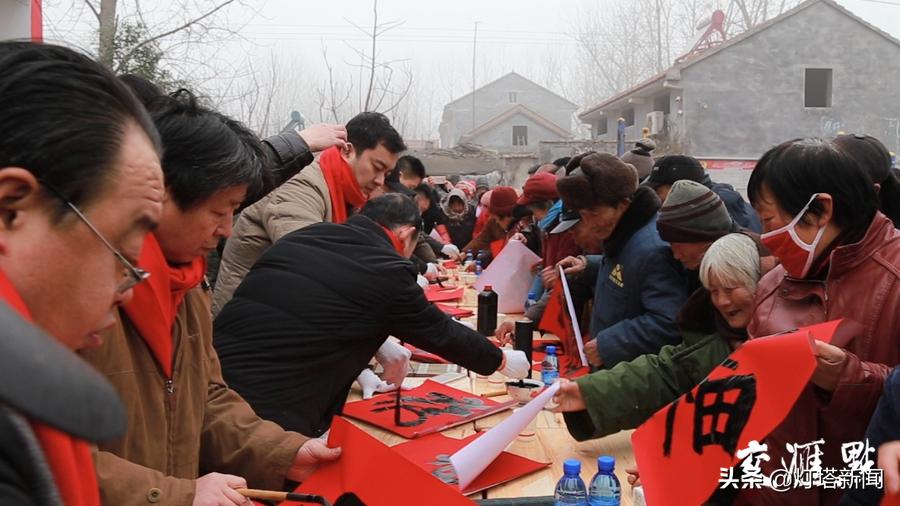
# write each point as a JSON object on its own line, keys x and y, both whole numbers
{"x": 733, "y": 260}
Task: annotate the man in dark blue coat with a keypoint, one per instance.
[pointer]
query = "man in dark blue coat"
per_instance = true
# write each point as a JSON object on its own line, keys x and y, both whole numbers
{"x": 638, "y": 285}
{"x": 315, "y": 308}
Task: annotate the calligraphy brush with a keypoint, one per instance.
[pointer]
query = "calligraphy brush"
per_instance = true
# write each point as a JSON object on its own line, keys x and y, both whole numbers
{"x": 273, "y": 495}
{"x": 397, "y": 402}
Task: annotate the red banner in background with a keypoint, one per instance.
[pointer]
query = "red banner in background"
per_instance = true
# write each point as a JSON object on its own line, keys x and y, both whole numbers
{"x": 682, "y": 448}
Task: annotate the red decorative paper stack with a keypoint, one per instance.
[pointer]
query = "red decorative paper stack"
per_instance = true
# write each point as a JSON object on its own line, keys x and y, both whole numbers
{"x": 435, "y": 293}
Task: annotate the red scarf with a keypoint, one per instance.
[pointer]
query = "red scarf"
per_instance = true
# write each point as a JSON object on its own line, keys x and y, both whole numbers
{"x": 343, "y": 188}
{"x": 69, "y": 458}
{"x": 154, "y": 306}
{"x": 395, "y": 241}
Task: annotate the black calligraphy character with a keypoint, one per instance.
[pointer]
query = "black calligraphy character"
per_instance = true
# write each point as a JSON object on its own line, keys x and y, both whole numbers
{"x": 718, "y": 420}
{"x": 433, "y": 404}
{"x": 721, "y": 410}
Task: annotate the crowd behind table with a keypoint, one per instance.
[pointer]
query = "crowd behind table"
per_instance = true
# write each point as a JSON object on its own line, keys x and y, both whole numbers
{"x": 319, "y": 244}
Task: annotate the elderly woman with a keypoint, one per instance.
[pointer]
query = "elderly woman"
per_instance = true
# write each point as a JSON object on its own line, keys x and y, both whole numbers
{"x": 840, "y": 258}
{"x": 625, "y": 396}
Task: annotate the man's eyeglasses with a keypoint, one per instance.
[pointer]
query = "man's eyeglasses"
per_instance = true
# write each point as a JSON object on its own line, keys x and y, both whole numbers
{"x": 133, "y": 275}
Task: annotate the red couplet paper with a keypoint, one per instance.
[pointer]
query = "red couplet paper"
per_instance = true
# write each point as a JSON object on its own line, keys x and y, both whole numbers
{"x": 432, "y": 453}
{"x": 431, "y": 407}
{"x": 435, "y": 293}
{"x": 374, "y": 472}
{"x": 455, "y": 311}
{"x": 556, "y": 320}
{"x": 681, "y": 449}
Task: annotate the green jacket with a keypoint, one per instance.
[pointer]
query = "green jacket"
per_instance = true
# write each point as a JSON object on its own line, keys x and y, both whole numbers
{"x": 628, "y": 394}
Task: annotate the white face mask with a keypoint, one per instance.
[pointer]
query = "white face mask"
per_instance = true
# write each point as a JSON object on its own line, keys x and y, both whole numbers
{"x": 795, "y": 255}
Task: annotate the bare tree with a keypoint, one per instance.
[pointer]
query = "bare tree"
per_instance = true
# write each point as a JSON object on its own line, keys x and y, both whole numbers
{"x": 175, "y": 32}
{"x": 334, "y": 95}
{"x": 381, "y": 94}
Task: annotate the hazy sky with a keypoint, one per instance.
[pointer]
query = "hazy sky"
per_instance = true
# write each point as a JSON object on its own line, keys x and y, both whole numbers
{"x": 435, "y": 38}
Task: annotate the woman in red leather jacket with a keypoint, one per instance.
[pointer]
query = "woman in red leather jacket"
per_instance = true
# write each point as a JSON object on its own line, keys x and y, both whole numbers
{"x": 840, "y": 258}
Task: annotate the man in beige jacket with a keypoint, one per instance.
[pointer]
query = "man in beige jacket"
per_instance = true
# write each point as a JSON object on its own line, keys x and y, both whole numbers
{"x": 326, "y": 191}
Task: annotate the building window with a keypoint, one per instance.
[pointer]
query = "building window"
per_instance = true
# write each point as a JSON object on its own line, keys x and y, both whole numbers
{"x": 661, "y": 103}
{"x": 628, "y": 114}
{"x": 817, "y": 88}
{"x": 602, "y": 127}
{"x": 520, "y": 135}
{"x": 513, "y": 97}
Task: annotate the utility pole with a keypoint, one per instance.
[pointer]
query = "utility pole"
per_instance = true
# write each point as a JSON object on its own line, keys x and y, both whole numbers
{"x": 659, "y": 66}
{"x": 474, "y": 46}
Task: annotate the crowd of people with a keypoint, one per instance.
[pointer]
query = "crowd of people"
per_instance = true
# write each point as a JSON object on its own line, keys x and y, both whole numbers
{"x": 192, "y": 304}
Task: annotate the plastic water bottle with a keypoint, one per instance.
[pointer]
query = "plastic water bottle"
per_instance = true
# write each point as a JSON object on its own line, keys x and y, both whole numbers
{"x": 605, "y": 488}
{"x": 550, "y": 366}
{"x": 532, "y": 300}
{"x": 480, "y": 257}
{"x": 469, "y": 258}
{"x": 478, "y": 269}
{"x": 570, "y": 489}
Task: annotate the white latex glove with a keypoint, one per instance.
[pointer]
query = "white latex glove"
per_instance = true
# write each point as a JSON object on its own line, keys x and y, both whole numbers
{"x": 450, "y": 250}
{"x": 422, "y": 281}
{"x": 371, "y": 383}
{"x": 395, "y": 361}
{"x": 515, "y": 364}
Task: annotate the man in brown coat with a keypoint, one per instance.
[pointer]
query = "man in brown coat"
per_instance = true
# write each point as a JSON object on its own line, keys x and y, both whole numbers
{"x": 190, "y": 439}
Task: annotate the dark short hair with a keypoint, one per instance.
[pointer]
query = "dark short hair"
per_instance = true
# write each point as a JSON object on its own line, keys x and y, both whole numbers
{"x": 392, "y": 211}
{"x": 143, "y": 88}
{"x": 561, "y": 162}
{"x": 411, "y": 166}
{"x": 794, "y": 170}
{"x": 604, "y": 180}
{"x": 205, "y": 151}
{"x": 369, "y": 129}
{"x": 63, "y": 117}
{"x": 871, "y": 155}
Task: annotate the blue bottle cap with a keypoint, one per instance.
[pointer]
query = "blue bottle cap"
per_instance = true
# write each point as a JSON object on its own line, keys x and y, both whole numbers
{"x": 606, "y": 463}
{"x": 531, "y": 295}
{"x": 550, "y": 350}
{"x": 572, "y": 467}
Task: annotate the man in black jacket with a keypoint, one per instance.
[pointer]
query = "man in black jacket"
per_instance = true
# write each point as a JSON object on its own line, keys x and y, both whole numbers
{"x": 669, "y": 169}
{"x": 317, "y": 305}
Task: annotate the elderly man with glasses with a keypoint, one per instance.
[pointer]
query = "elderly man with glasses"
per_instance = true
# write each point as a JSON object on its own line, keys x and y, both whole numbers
{"x": 71, "y": 192}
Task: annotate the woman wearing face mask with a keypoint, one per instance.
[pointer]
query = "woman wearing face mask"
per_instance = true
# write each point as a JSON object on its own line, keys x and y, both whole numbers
{"x": 840, "y": 258}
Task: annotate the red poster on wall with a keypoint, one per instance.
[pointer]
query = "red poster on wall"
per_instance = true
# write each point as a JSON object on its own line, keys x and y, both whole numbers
{"x": 681, "y": 449}
{"x": 432, "y": 453}
{"x": 431, "y": 407}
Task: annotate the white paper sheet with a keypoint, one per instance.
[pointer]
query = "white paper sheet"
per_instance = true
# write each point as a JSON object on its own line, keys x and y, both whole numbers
{"x": 510, "y": 276}
{"x": 470, "y": 461}
{"x": 574, "y": 317}
{"x": 435, "y": 235}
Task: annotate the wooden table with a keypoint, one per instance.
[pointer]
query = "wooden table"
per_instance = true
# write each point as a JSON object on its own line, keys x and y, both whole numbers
{"x": 551, "y": 443}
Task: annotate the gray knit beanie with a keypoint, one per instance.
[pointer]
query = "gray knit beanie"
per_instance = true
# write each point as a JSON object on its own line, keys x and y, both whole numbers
{"x": 693, "y": 213}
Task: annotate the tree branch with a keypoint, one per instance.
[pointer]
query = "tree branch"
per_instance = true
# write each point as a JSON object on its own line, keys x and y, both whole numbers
{"x": 177, "y": 29}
